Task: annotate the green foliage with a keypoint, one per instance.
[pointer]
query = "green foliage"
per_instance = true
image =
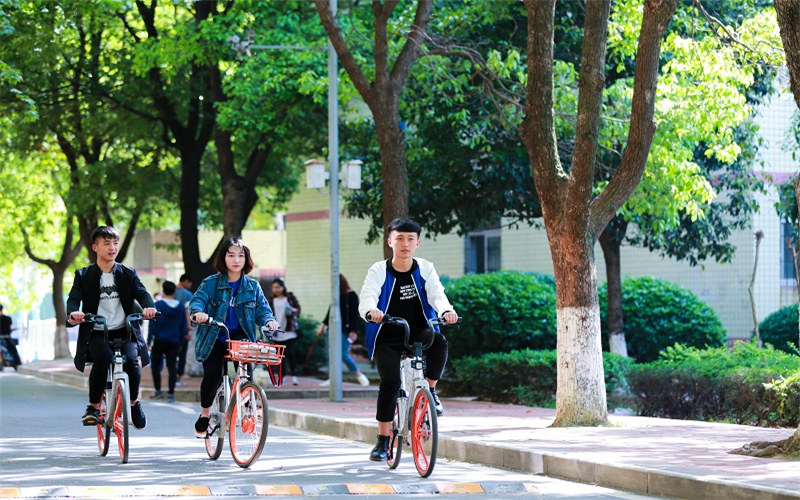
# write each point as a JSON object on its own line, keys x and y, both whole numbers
{"x": 502, "y": 311}
{"x": 781, "y": 329}
{"x": 524, "y": 376}
{"x": 744, "y": 385}
{"x": 659, "y": 314}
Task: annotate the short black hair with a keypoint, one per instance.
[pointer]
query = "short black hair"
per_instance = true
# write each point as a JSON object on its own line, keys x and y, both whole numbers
{"x": 403, "y": 225}
{"x": 227, "y": 243}
{"x": 105, "y": 232}
{"x": 185, "y": 276}
{"x": 168, "y": 288}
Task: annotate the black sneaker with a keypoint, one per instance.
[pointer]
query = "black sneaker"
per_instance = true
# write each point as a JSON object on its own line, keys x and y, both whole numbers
{"x": 91, "y": 417}
{"x": 436, "y": 403}
{"x": 201, "y": 427}
{"x": 381, "y": 450}
{"x": 137, "y": 415}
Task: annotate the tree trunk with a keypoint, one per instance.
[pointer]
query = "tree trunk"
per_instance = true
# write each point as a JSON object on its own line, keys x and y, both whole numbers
{"x": 392, "y": 145}
{"x": 572, "y": 216}
{"x": 610, "y": 242}
{"x": 788, "y": 12}
{"x": 61, "y": 345}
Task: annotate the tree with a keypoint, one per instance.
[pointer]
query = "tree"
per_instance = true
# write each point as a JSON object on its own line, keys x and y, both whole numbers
{"x": 251, "y": 114}
{"x": 382, "y": 94}
{"x": 573, "y": 217}
{"x": 56, "y": 102}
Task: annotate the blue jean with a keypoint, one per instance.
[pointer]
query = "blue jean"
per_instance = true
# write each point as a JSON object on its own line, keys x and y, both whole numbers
{"x": 346, "y": 358}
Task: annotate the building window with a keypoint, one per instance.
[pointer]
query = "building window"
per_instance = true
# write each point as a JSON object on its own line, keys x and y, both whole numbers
{"x": 787, "y": 262}
{"x": 482, "y": 252}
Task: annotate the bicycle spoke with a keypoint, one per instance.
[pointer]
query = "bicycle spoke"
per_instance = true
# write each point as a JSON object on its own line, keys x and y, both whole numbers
{"x": 248, "y": 423}
{"x": 424, "y": 429}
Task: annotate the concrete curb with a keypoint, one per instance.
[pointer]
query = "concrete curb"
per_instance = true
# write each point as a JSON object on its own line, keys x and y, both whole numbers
{"x": 623, "y": 477}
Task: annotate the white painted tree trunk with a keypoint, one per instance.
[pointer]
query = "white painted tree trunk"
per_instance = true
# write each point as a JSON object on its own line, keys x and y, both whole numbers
{"x": 581, "y": 390}
{"x": 617, "y": 344}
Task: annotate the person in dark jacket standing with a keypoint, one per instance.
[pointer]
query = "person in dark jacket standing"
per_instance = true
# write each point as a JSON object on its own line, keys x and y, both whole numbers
{"x": 165, "y": 336}
{"x": 109, "y": 289}
{"x": 286, "y": 308}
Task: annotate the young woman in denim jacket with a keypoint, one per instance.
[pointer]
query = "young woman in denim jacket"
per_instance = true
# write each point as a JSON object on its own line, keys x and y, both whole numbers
{"x": 234, "y": 298}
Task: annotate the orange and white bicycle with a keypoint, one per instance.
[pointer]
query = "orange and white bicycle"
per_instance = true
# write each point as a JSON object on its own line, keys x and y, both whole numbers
{"x": 240, "y": 406}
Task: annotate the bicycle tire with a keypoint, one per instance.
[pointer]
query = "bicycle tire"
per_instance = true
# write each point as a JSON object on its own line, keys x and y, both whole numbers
{"x": 216, "y": 425}
{"x": 396, "y": 439}
{"x": 122, "y": 412}
{"x": 103, "y": 430}
{"x": 248, "y": 434}
{"x": 424, "y": 432}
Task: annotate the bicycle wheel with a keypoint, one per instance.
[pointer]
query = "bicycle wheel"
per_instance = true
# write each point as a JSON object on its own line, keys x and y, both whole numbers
{"x": 103, "y": 431}
{"x": 216, "y": 429}
{"x": 247, "y": 432}
{"x": 396, "y": 441}
{"x": 122, "y": 412}
{"x": 424, "y": 432}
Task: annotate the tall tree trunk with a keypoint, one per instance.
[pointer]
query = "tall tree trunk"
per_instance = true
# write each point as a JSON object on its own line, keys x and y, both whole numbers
{"x": 610, "y": 242}
{"x": 573, "y": 217}
{"x": 392, "y": 145}
{"x": 788, "y": 12}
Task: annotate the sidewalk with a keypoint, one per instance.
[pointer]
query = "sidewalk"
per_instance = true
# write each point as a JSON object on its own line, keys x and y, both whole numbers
{"x": 670, "y": 458}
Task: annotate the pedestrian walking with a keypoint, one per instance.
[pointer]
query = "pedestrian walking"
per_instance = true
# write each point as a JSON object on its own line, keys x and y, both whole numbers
{"x": 165, "y": 337}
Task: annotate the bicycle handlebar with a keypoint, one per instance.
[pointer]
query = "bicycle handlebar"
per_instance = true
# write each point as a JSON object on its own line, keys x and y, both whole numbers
{"x": 264, "y": 330}
{"x": 396, "y": 320}
{"x": 101, "y": 320}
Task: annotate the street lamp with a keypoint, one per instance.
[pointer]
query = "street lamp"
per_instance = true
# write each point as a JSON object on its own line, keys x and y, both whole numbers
{"x": 334, "y": 317}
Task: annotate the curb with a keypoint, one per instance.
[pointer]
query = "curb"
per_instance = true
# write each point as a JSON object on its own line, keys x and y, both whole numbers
{"x": 622, "y": 477}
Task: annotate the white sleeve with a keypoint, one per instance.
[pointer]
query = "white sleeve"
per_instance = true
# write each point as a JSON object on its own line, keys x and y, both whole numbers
{"x": 434, "y": 289}
{"x": 370, "y": 291}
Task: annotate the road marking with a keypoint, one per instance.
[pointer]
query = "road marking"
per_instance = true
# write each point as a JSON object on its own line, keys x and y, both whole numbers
{"x": 171, "y": 490}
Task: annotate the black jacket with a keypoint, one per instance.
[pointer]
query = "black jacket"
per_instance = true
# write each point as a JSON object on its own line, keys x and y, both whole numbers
{"x": 85, "y": 294}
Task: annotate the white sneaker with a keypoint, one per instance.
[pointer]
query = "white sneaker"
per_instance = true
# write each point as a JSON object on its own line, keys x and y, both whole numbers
{"x": 327, "y": 383}
{"x": 295, "y": 381}
{"x": 362, "y": 379}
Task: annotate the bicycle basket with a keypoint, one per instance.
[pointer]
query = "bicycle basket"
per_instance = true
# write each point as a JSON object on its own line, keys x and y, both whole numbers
{"x": 255, "y": 352}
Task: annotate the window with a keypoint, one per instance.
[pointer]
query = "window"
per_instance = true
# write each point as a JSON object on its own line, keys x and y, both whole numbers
{"x": 482, "y": 252}
{"x": 787, "y": 262}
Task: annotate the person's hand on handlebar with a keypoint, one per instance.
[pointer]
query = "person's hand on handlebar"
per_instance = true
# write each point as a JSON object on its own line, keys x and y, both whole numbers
{"x": 199, "y": 317}
{"x": 149, "y": 312}
{"x": 375, "y": 315}
{"x": 273, "y": 325}
{"x": 450, "y": 317}
{"x": 76, "y": 317}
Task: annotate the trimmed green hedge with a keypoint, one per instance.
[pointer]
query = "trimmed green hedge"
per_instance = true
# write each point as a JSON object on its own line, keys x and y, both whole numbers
{"x": 746, "y": 385}
{"x": 526, "y": 377}
{"x": 781, "y": 329}
{"x": 659, "y": 314}
{"x": 502, "y": 311}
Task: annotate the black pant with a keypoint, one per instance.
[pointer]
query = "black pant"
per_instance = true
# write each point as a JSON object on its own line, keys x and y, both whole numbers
{"x": 183, "y": 349}
{"x": 102, "y": 357}
{"x": 169, "y": 350}
{"x": 289, "y": 357}
{"x": 213, "y": 368}
{"x": 388, "y": 349}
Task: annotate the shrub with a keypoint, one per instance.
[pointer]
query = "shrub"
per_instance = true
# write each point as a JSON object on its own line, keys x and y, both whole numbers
{"x": 319, "y": 355}
{"x": 659, "y": 314}
{"x": 719, "y": 384}
{"x": 526, "y": 376}
{"x": 502, "y": 311}
{"x": 780, "y": 329}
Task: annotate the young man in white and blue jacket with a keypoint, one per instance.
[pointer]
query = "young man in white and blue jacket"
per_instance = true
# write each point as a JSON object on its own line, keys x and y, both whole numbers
{"x": 409, "y": 288}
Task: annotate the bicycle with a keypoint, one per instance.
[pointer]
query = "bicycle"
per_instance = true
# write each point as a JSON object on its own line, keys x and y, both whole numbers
{"x": 240, "y": 407}
{"x": 117, "y": 393}
{"x": 415, "y": 425}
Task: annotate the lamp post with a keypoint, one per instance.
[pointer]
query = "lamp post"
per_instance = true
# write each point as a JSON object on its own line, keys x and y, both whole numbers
{"x": 334, "y": 316}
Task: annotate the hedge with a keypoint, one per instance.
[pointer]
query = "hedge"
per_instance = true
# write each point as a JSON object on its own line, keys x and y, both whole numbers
{"x": 781, "y": 329}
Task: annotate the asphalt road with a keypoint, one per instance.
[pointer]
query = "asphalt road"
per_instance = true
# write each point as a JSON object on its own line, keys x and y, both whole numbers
{"x": 45, "y": 451}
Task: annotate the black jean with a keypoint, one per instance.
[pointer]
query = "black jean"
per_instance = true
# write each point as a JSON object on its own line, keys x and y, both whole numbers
{"x": 289, "y": 363}
{"x": 212, "y": 369}
{"x": 169, "y": 350}
{"x": 102, "y": 356}
{"x": 388, "y": 350}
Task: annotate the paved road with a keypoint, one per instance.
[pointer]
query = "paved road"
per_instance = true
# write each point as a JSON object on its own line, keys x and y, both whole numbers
{"x": 45, "y": 451}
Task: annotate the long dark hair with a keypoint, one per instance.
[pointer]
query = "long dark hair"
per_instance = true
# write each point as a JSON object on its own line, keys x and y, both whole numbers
{"x": 219, "y": 260}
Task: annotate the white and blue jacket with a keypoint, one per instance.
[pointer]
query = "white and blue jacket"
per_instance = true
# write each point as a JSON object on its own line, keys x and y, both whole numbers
{"x": 377, "y": 291}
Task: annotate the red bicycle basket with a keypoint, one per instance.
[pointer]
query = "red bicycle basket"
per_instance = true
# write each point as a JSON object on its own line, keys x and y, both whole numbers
{"x": 255, "y": 352}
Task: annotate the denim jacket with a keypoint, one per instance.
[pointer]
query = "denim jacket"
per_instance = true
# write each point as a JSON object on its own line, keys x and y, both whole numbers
{"x": 213, "y": 296}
